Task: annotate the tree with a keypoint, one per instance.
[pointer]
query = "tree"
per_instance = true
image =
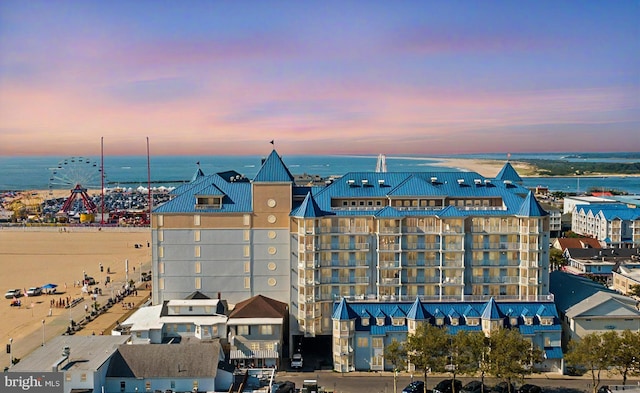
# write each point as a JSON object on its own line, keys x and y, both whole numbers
{"x": 592, "y": 352}
{"x": 427, "y": 349}
{"x": 396, "y": 354}
{"x": 556, "y": 259}
{"x": 511, "y": 355}
{"x": 472, "y": 352}
{"x": 634, "y": 290}
{"x": 625, "y": 349}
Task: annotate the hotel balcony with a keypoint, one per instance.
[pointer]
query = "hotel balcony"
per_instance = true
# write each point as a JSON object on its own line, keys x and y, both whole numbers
{"x": 344, "y": 280}
{"x": 357, "y": 263}
{"x": 343, "y": 247}
{"x": 386, "y": 230}
{"x": 389, "y": 281}
{"x": 389, "y": 265}
{"x": 313, "y": 264}
{"x": 344, "y": 230}
{"x": 389, "y": 247}
{"x": 495, "y": 229}
{"x": 446, "y": 281}
{"x": 422, "y": 280}
{"x": 412, "y": 230}
{"x": 496, "y": 280}
{"x": 421, "y": 246}
{"x": 497, "y": 246}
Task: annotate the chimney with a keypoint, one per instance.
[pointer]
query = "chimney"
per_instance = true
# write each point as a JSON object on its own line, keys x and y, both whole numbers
{"x": 218, "y": 295}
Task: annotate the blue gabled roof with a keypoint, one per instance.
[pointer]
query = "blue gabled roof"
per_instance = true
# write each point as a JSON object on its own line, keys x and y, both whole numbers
{"x": 449, "y": 211}
{"x": 438, "y": 314}
{"x": 417, "y": 312}
{"x": 612, "y": 211}
{"x": 343, "y": 312}
{"x": 379, "y": 314}
{"x": 397, "y": 313}
{"x": 491, "y": 310}
{"x": 453, "y": 313}
{"x": 531, "y": 208}
{"x": 543, "y": 311}
{"x": 309, "y": 209}
{"x": 470, "y": 312}
{"x": 389, "y": 212}
{"x": 198, "y": 174}
{"x": 273, "y": 170}
{"x": 508, "y": 173}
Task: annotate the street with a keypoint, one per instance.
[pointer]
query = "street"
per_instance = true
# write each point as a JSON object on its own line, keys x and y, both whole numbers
{"x": 374, "y": 382}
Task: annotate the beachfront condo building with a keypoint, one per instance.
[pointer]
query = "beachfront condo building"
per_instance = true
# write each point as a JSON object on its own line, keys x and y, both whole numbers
{"x": 363, "y": 237}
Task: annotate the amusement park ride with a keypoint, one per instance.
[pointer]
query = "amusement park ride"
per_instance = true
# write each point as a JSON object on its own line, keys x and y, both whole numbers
{"x": 77, "y": 174}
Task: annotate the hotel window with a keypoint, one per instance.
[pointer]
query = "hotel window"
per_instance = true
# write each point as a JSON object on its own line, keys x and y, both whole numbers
{"x": 147, "y": 386}
{"x": 173, "y": 384}
{"x": 160, "y": 252}
{"x": 473, "y": 321}
{"x": 439, "y": 321}
{"x": 161, "y": 283}
{"x": 362, "y": 342}
{"x": 546, "y": 321}
{"x": 243, "y": 330}
{"x": 269, "y": 346}
{"x": 245, "y": 235}
{"x": 83, "y": 377}
{"x": 196, "y": 235}
{"x": 214, "y": 330}
{"x": 138, "y": 334}
{"x": 247, "y": 267}
{"x": 380, "y": 321}
{"x": 454, "y": 321}
{"x": 198, "y": 283}
{"x": 197, "y": 252}
{"x": 160, "y": 235}
{"x": 196, "y": 220}
{"x": 67, "y": 377}
{"x": 377, "y": 361}
{"x": 197, "y": 329}
{"x": 266, "y": 330}
{"x": 188, "y": 327}
{"x": 547, "y": 341}
{"x": 195, "y": 385}
{"x": 412, "y": 325}
{"x": 376, "y": 342}
{"x": 207, "y": 309}
{"x": 123, "y": 385}
{"x": 160, "y": 220}
{"x": 246, "y": 220}
{"x": 513, "y": 321}
{"x": 247, "y": 251}
{"x": 344, "y": 326}
{"x": 528, "y": 320}
{"x": 364, "y": 321}
{"x": 345, "y": 203}
{"x": 247, "y": 283}
{"x": 255, "y": 346}
{"x": 398, "y": 321}
{"x": 198, "y": 268}
{"x": 161, "y": 267}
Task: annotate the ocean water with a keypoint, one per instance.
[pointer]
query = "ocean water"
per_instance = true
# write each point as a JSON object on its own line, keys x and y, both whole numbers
{"x": 47, "y": 172}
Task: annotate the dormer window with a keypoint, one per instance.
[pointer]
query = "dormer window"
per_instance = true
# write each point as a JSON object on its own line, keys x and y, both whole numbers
{"x": 439, "y": 321}
{"x": 546, "y": 321}
{"x": 380, "y": 321}
{"x": 208, "y": 202}
{"x": 398, "y": 321}
{"x": 364, "y": 321}
{"x": 473, "y": 321}
{"x": 455, "y": 321}
{"x": 528, "y": 321}
{"x": 513, "y": 321}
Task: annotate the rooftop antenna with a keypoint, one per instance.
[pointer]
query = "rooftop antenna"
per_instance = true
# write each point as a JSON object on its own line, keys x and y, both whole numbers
{"x": 381, "y": 165}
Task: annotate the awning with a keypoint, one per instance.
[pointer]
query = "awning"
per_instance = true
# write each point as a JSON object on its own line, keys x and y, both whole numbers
{"x": 553, "y": 353}
{"x": 259, "y": 354}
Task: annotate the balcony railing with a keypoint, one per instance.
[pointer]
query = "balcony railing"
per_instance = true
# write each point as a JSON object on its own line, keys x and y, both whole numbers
{"x": 496, "y": 280}
{"x": 344, "y": 280}
{"x": 496, "y": 246}
{"x": 444, "y": 298}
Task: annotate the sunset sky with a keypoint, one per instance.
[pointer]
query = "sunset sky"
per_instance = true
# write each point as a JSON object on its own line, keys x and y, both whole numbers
{"x": 318, "y": 77}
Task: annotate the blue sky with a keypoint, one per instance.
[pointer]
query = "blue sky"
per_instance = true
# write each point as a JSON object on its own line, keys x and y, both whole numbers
{"x": 329, "y": 77}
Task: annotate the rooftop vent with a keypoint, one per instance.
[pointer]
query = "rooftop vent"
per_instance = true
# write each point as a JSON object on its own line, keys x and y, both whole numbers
{"x": 460, "y": 181}
{"x": 365, "y": 182}
{"x": 487, "y": 181}
{"x": 434, "y": 179}
{"x": 507, "y": 182}
{"x": 381, "y": 182}
{"x": 477, "y": 182}
{"x": 351, "y": 181}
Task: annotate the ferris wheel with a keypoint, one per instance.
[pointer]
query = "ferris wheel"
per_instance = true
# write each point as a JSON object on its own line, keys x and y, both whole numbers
{"x": 77, "y": 174}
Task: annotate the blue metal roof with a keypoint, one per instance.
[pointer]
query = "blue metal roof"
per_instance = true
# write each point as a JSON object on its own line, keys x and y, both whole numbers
{"x": 273, "y": 170}
{"x": 343, "y": 312}
{"x": 198, "y": 174}
{"x": 418, "y": 310}
{"x": 309, "y": 209}
{"x": 570, "y": 289}
{"x": 508, "y": 173}
{"x": 491, "y": 310}
{"x": 553, "y": 353}
{"x": 611, "y": 211}
{"x": 531, "y": 207}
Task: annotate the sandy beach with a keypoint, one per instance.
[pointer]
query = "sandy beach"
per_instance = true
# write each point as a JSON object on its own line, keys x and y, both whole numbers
{"x": 36, "y": 256}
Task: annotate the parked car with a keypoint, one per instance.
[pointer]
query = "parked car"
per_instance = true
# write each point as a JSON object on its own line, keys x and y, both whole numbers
{"x": 414, "y": 387}
{"x": 34, "y": 291}
{"x": 447, "y": 386}
{"x": 90, "y": 280}
{"x": 503, "y": 387}
{"x": 296, "y": 360}
{"x": 11, "y": 293}
{"x": 529, "y": 388}
{"x": 604, "y": 389}
{"x": 475, "y": 387}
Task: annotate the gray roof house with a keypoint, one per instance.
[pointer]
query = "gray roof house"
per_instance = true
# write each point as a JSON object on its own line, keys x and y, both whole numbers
{"x": 85, "y": 366}
{"x": 588, "y": 307}
{"x": 176, "y": 367}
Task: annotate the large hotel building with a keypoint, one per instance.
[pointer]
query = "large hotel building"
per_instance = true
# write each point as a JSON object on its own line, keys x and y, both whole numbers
{"x": 365, "y": 238}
